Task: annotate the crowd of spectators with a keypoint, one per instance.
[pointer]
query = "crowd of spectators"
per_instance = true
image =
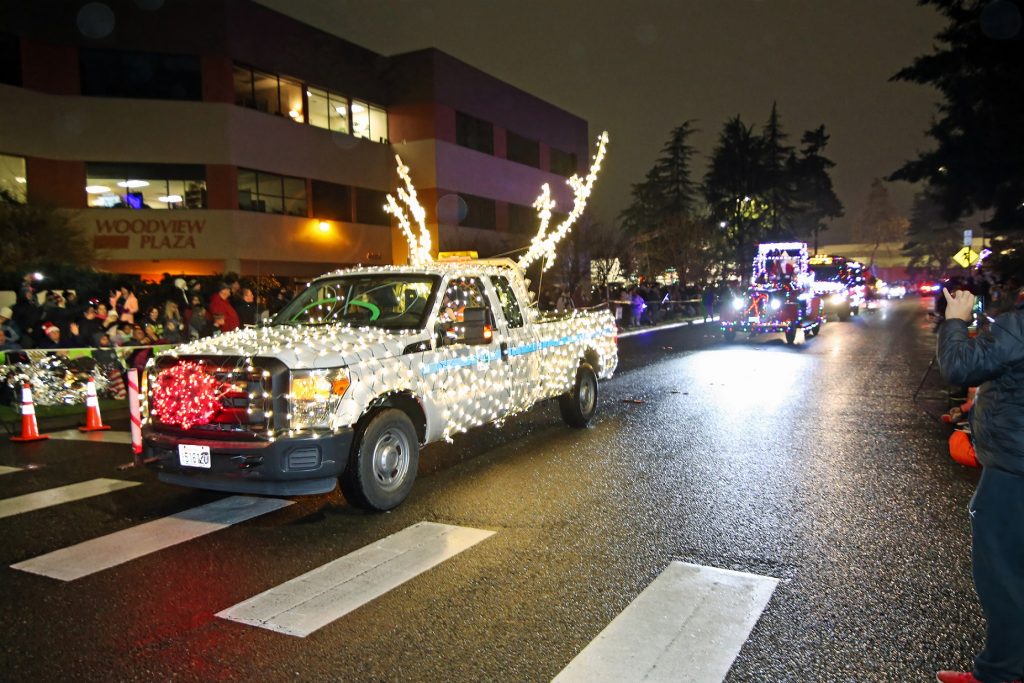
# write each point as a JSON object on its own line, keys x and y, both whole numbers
{"x": 131, "y": 315}
{"x": 643, "y": 303}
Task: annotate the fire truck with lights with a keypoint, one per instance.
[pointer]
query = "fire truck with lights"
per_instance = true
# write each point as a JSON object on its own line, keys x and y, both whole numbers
{"x": 780, "y": 298}
{"x": 841, "y": 284}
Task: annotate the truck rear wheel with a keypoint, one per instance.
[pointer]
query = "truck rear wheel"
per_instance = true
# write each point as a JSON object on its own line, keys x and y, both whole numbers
{"x": 382, "y": 466}
{"x": 579, "y": 404}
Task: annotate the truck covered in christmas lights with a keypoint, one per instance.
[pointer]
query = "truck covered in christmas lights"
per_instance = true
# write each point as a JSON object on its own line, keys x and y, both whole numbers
{"x": 840, "y": 283}
{"x": 364, "y": 367}
{"x": 781, "y": 296}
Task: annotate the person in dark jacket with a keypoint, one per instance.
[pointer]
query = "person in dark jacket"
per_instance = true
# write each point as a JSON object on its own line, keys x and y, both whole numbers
{"x": 994, "y": 362}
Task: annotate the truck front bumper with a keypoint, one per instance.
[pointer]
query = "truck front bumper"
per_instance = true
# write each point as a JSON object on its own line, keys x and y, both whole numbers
{"x": 295, "y": 466}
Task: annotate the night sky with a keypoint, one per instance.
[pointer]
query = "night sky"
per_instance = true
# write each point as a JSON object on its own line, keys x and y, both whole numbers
{"x": 638, "y": 69}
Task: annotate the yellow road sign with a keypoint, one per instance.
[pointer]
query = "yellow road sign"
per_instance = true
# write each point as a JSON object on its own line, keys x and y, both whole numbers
{"x": 966, "y": 257}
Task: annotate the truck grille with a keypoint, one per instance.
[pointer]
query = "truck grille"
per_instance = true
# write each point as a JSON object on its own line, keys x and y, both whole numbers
{"x": 239, "y": 399}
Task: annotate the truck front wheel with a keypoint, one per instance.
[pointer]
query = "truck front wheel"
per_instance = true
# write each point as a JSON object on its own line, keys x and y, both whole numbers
{"x": 382, "y": 466}
{"x": 579, "y": 404}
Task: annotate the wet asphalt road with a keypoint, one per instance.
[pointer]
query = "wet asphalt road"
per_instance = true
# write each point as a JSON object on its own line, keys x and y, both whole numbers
{"x": 807, "y": 463}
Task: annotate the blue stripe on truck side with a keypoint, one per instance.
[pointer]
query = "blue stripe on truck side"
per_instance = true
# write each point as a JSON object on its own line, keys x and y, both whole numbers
{"x": 467, "y": 361}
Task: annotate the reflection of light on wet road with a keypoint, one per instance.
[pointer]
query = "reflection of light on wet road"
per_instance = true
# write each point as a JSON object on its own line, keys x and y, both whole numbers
{"x": 736, "y": 380}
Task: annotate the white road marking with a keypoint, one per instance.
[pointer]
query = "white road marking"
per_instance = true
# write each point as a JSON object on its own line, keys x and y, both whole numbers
{"x": 689, "y": 624}
{"x": 7, "y": 470}
{"x": 108, "y": 436}
{"x": 308, "y": 602}
{"x": 62, "y": 494}
{"x": 659, "y": 328}
{"x": 117, "y": 548}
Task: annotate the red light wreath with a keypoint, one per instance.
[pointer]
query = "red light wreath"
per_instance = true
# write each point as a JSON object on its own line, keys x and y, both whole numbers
{"x": 185, "y": 395}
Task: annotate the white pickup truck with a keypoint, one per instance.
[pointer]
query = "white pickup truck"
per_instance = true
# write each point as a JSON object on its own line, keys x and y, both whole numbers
{"x": 359, "y": 371}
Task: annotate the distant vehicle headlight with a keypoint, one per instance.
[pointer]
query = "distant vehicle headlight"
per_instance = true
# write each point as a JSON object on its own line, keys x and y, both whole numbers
{"x": 738, "y": 304}
{"x": 838, "y": 298}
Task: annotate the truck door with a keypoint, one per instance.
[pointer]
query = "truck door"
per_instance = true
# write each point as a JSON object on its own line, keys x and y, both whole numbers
{"x": 518, "y": 345}
{"x": 470, "y": 379}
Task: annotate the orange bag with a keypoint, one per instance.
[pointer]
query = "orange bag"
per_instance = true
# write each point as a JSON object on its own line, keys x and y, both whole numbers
{"x": 962, "y": 450}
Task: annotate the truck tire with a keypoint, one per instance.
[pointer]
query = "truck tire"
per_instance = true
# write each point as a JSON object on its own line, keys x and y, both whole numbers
{"x": 790, "y": 335}
{"x": 580, "y": 403}
{"x": 844, "y": 314}
{"x": 382, "y": 466}
{"x": 729, "y": 335}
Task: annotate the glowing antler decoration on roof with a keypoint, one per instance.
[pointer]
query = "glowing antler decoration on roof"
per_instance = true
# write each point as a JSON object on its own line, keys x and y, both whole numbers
{"x": 419, "y": 247}
{"x": 544, "y": 243}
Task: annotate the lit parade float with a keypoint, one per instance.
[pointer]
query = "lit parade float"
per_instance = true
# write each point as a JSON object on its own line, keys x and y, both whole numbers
{"x": 781, "y": 296}
{"x": 370, "y": 363}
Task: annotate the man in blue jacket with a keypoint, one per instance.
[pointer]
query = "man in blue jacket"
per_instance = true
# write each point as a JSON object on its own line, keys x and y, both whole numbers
{"x": 994, "y": 362}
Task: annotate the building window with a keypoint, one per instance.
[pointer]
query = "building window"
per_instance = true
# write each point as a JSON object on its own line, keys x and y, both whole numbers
{"x": 268, "y": 93}
{"x": 369, "y": 121}
{"x": 332, "y": 201}
{"x": 10, "y": 59}
{"x": 522, "y": 219}
{"x": 480, "y": 212}
{"x": 145, "y": 75}
{"x": 474, "y": 133}
{"x": 145, "y": 186}
{"x": 370, "y": 207}
{"x": 12, "y": 177}
{"x": 563, "y": 163}
{"x": 327, "y": 110}
{"x": 523, "y": 150}
{"x": 271, "y": 193}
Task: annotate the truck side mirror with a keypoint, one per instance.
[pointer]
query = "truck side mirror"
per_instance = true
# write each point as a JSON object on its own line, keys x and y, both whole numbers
{"x": 477, "y": 323}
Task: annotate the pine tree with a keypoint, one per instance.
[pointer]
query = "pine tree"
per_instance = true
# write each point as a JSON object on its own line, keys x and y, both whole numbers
{"x": 814, "y": 199}
{"x": 931, "y": 240}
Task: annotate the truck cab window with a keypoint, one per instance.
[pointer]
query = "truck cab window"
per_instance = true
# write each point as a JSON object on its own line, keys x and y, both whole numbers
{"x": 460, "y": 294}
{"x": 509, "y": 302}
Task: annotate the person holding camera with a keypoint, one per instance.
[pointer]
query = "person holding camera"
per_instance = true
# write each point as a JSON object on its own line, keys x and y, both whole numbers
{"x": 994, "y": 362}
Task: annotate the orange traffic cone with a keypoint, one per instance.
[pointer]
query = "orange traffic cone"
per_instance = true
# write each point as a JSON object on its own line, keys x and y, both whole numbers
{"x": 93, "y": 421}
{"x": 29, "y": 429}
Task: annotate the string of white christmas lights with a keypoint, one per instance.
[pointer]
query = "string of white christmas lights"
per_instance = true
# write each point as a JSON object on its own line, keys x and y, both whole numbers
{"x": 544, "y": 243}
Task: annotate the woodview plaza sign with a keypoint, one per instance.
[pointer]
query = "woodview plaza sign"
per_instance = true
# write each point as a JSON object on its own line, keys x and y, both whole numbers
{"x": 147, "y": 234}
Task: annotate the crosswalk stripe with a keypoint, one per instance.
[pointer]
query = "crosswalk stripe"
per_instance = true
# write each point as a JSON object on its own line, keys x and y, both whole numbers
{"x": 117, "y": 548}
{"x": 100, "y": 437}
{"x": 306, "y": 603}
{"x": 7, "y": 470}
{"x": 688, "y": 624}
{"x": 62, "y": 494}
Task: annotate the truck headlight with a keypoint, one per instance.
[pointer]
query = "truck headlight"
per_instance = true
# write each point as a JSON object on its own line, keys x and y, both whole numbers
{"x": 776, "y": 304}
{"x": 737, "y": 304}
{"x": 838, "y": 298}
{"x": 314, "y": 396}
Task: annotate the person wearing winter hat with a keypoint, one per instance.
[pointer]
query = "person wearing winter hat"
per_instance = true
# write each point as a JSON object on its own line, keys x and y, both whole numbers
{"x": 8, "y": 325}
{"x": 52, "y": 340}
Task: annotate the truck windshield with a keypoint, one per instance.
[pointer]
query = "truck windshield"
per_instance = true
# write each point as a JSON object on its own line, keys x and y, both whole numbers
{"x": 827, "y": 272}
{"x": 390, "y": 301}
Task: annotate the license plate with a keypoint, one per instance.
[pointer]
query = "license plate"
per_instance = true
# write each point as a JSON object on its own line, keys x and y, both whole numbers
{"x": 752, "y": 319}
{"x": 194, "y": 456}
